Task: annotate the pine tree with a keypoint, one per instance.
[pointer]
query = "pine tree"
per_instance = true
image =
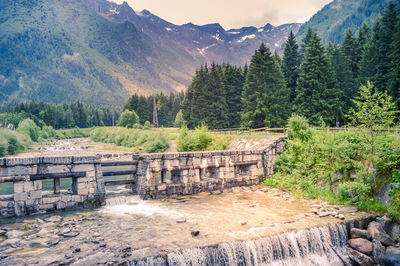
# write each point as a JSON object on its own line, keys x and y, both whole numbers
{"x": 217, "y": 115}
{"x": 290, "y": 65}
{"x": 305, "y": 42}
{"x": 265, "y": 96}
{"x": 349, "y": 50}
{"x": 233, "y": 84}
{"x": 394, "y": 82}
{"x": 344, "y": 80}
{"x": 316, "y": 96}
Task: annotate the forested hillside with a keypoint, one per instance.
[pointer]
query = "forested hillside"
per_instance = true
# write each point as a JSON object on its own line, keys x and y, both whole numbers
{"x": 332, "y": 21}
{"x": 62, "y": 51}
{"x": 316, "y": 81}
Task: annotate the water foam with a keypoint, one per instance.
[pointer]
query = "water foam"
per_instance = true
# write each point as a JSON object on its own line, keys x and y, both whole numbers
{"x": 129, "y": 205}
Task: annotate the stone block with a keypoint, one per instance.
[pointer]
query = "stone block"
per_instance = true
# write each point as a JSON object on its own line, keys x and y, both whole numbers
{"x": 20, "y": 196}
{"x": 76, "y": 198}
{"x": 50, "y": 200}
{"x": 2, "y": 162}
{"x": 61, "y": 205}
{"x": 18, "y": 170}
{"x": 48, "y": 206}
{"x": 15, "y": 161}
{"x": 37, "y": 184}
{"x": 36, "y": 194}
{"x": 91, "y": 190}
{"x": 82, "y": 190}
{"x": 58, "y": 169}
{"x": 86, "y": 159}
{"x": 66, "y": 198}
{"x": 28, "y": 186}
{"x": 18, "y": 187}
{"x": 57, "y": 160}
{"x": 83, "y": 168}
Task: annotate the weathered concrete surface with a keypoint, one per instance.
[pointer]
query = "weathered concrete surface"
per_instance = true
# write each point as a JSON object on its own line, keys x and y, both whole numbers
{"x": 28, "y": 196}
{"x": 171, "y": 174}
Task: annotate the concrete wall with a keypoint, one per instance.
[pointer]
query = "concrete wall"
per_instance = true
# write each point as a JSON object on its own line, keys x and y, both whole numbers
{"x": 156, "y": 176}
{"x": 173, "y": 174}
{"x": 28, "y": 196}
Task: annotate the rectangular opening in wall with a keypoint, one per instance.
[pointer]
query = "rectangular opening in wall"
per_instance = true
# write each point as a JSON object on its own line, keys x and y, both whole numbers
{"x": 213, "y": 172}
{"x": 65, "y": 185}
{"x": 175, "y": 176}
{"x": 7, "y": 188}
{"x": 243, "y": 170}
{"x": 116, "y": 175}
{"x": 167, "y": 177}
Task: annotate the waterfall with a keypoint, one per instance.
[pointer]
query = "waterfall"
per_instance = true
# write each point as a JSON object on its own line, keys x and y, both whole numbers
{"x": 125, "y": 205}
{"x": 316, "y": 246}
{"x": 322, "y": 246}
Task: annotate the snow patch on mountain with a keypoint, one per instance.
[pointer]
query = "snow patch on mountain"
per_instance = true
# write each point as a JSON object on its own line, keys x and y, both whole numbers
{"x": 251, "y": 36}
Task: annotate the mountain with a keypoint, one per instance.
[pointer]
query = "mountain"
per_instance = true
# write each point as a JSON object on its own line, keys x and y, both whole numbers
{"x": 100, "y": 52}
{"x": 204, "y": 43}
{"x": 333, "y": 20}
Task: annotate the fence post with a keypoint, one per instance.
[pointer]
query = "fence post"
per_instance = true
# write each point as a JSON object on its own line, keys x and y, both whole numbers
{"x": 56, "y": 185}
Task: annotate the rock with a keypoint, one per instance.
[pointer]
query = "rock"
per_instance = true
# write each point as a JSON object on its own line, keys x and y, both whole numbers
{"x": 14, "y": 242}
{"x": 340, "y": 216}
{"x": 391, "y": 260}
{"x": 14, "y": 234}
{"x": 362, "y": 245}
{"x": 53, "y": 219}
{"x": 77, "y": 250}
{"x": 51, "y": 259}
{"x": 359, "y": 258}
{"x": 2, "y": 232}
{"x": 71, "y": 234}
{"x": 378, "y": 251}
{"x": 64, "y": 231}
{"x": 377, "y": 233}
{"x": 243, "y": 222}
{"x": 195, "y": 233}
{"x": 181, "y": 221}
{"x": 384, "y": 222}
{"x": 393, "y": 251}
{"x": 348, "y": 210}
{"x": 358, "y": 233}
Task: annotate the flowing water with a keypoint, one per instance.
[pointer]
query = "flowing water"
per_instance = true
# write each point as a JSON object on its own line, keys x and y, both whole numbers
{"x": 256, "y": 226}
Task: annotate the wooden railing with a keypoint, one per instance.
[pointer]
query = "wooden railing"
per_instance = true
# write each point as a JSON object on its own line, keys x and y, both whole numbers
{"x": 119, "y": 172}
{"x": 238, "y": 131}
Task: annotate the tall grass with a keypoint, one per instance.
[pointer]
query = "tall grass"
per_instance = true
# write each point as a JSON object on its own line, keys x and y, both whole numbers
{"x": 200, "y": 139}
{"x": 338, "y": 167}
{"x": 142, "y": 140}
{"x": 12, "y": 142}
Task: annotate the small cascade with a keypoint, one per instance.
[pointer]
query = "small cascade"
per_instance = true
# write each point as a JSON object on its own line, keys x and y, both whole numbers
{"x": 316, "y": 246}
{"x": 134, "y": 205}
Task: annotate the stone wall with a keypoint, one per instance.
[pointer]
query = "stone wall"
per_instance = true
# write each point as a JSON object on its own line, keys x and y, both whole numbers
{"x": 173, "y": 174}
{"x": 27, "y": 175}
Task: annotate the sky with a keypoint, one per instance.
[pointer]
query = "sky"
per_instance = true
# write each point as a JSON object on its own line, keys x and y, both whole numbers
{"x": 230, "y": 13}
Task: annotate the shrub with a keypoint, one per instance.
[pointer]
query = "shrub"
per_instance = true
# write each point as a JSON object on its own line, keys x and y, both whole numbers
{"x": 140, "y": 140}
{"x": 194, "y": 140}
{"x": 298, "y": 128}
{"x": 128, "y": 119}
{"x": 12, "y": 142}
{"x": 29, "y": 128}
{"x": 147, "y": 125}
{"x": 179, "y": 120}
{"x": 48, "y": 132}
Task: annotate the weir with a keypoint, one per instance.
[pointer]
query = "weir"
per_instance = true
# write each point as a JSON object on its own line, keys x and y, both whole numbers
{"x": 152, "y": 176}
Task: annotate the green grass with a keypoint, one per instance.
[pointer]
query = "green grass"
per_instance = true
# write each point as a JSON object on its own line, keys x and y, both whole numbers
{"x": 12, "y": 142}
{"x": 141, "y": 140}
{"x": 338, "y": 168}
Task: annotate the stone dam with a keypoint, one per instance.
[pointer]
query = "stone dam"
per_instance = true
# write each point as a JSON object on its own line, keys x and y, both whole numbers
{"x": 198, "y": 208}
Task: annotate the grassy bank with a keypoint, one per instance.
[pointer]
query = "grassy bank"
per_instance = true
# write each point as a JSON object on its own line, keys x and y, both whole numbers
{"x": 140, "y": 139}
{"x": 12, "y": 142}
{"x": 339, "y": 168}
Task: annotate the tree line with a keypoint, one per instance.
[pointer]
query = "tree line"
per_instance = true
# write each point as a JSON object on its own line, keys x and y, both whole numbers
{"x": 311, "y": 80}
{"x": 59, "y": 115}
{"x": 168, "y": 107}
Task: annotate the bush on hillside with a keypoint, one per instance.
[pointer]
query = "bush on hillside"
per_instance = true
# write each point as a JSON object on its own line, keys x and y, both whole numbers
{"x": 128, "y": 119}
{"x": 29, "y": 128}
{"x": 12, "y": 142}
{"x": 194, "y": 140}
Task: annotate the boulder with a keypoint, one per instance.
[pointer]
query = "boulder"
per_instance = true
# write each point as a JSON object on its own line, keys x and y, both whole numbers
{"x": 377, "y": 233}
{"x": 393, "y": 251}
{"x": 53, "y": 219}
{"x": 378, "y": 251}
{"x": 14, "y": 234}
{"x": 362, "y": 245}
{"x": 359, "y": 233}
{"x": 391, "y": 260}
{"x": 359, "y": 258}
